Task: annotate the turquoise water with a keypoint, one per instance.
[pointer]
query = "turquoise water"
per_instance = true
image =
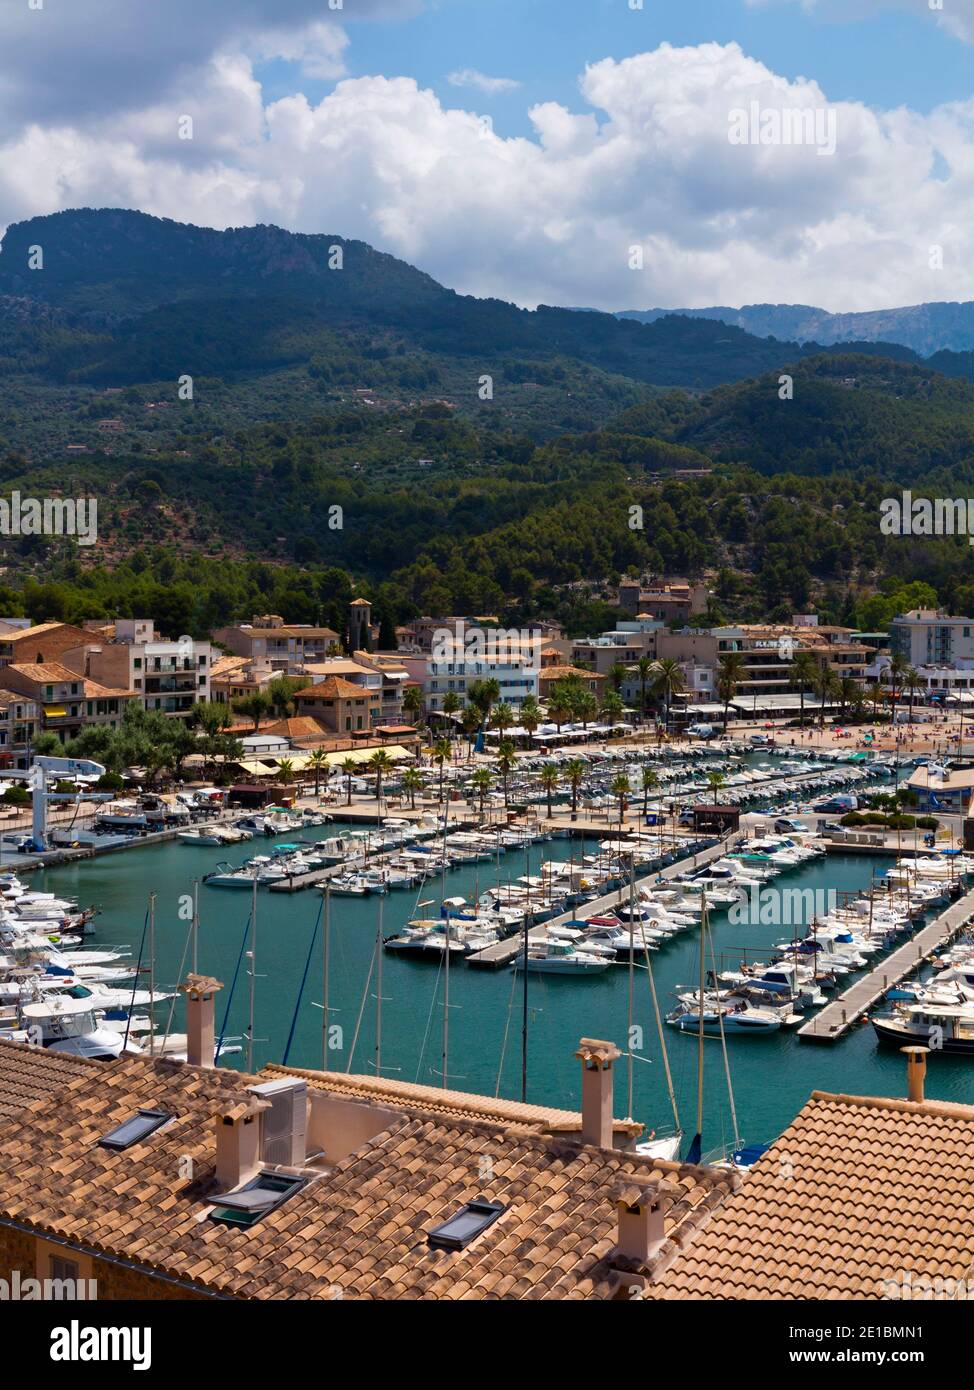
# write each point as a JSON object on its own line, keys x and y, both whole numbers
{"x": 772, "y": 1076}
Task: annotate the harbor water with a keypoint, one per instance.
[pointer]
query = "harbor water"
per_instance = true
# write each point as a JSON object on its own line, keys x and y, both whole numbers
{"x": 772, "y": 1076}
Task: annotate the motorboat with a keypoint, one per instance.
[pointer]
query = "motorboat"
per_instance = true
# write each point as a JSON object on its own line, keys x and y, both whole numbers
{"x": 941, "y": 1027}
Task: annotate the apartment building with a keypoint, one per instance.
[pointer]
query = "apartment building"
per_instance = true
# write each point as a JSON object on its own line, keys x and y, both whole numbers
{"x": 452, "y": 667}
{"x": 285, "y": 647}
{"x": 340, "y": 706}
{"x": 930, "y": 637}
{"x": 666, "y": 600}
{"x": 170, "y": 677}
{"x": 18, "y": 725}
{"x": 67, "y": 701}
{"x": 626, "y": 644}
{"x": 39, "y": 642}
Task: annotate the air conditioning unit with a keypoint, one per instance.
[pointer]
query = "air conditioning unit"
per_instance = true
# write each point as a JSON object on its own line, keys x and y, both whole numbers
{"x": 284, "y": 1125}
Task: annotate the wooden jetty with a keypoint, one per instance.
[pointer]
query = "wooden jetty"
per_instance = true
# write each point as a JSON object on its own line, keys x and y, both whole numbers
{"x": 503, "y": 952}
{"x": 837, "y": 1018}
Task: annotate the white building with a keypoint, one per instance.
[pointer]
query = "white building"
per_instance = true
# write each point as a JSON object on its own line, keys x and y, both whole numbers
{"x": 930, "y": 637}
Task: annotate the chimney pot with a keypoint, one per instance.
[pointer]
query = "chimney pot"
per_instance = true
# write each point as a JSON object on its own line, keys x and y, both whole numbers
{"x": 640, "y": 1230}
{"x": 200, "y": 991}
{"x": 238, "y": 1133}
{"x": 916, "y": 1071}
{"x": 597, "y": 1060}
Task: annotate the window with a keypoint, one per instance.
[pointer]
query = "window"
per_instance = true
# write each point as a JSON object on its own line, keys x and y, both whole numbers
{"x": 64, "y": 1269}
{"x": 470, "y": 1221}
{"x": 258, "y": 1197}
{"x": 133, "y": 1131}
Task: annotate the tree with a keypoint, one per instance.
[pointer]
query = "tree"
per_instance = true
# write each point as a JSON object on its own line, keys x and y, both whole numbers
{"x": 413, "y": 781}
{"x": 715, "y": 780}
{"x": 256, "y": 706}
{"x": 644, "y": 666}
{"x": 412, "y": 702}
{"x": 803, "y": 671}
{"x": 482, "y": 781}
{"x": 442, "y": 750}
{"x": 280, "y": 693}
{"x": 530, "y": 717}
{"x": 558, "y": 710}
{"x": 621, "y": 788}
{"x": 827, "y": 688}
{"x": 506, "y": 763}
{"x": 349, "y": 770}
{"x": 729, "y": 672}
{"x": 549, "y": 779}
{"x": 612, "y": 706}
{"x": 650, "y": 781}
{"x": 667, "y": 682}
{"x": 285, "y": 771}
{"x": 470, "y": 724}
{"x": 587, "y": 707}
{"x": 317, "y": 760}
{"x": 451, "y": 705}
{"x": 875, "y": 694}
{"x": 895, "y": 672}
{"x": 502, "y": 717}
{"x": 617, "y": 674}
{"x": 575, "y": 771}
{"x": 483, "y": 695}
{"x": 380, "y": 763}
{"x": 913, "y": 685}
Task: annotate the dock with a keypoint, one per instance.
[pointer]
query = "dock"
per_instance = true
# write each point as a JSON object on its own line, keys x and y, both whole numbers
{"x": 503, "y": 952}
{"x": 837, "y": 1018}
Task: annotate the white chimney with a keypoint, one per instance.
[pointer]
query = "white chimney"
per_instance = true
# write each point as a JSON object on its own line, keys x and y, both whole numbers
{"x": 200, "y": 992}
{"x": 238, "y": 1143}
{"x": 597, "y": 1059}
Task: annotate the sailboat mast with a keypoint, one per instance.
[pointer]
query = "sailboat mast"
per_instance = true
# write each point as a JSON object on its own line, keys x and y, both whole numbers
{"x": 632, "y": 971}
{"x": 152, "y": 974}
{"x": 378, "y": 989}
{"x": 446, "y": 1007}
{"x": 324, "y": 976}
{"x": 253, "y": 974}
{"x": 703, "y": 938}
{"x": 196, "y": 922}
{"x": 524, "y": 984}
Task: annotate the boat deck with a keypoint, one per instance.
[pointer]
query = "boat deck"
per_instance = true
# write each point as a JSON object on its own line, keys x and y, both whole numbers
{"x": 837, "y": 1018}
{"x": 503, "y": 952}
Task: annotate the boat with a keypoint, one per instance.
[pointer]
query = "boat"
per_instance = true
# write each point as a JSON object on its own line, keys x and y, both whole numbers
{"x": 940, "y": 1027}
{"x": 552, "y": 957}
{"x": 743, "y": 1020}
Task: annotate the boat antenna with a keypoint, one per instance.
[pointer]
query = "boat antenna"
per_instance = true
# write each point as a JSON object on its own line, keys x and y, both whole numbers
{"x": 253, "y": 974}
{"x": 693, "y": 1154}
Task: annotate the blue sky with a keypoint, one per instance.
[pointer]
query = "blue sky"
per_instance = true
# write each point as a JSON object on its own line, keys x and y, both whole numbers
{"x": 612, "y": 171}
{"x": 886, "y": 58}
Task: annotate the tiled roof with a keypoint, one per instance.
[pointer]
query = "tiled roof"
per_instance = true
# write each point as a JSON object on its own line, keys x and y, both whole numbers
{"x": 357, "y": 1229}
{"x": 855, "y": 1192}
{"x": 556, "y": 673}
{"x": 435, "y": 1101}
{"x": 335, "y": 686}
{"x": 28, "y": 1074}
{"x": 297, "y": 726}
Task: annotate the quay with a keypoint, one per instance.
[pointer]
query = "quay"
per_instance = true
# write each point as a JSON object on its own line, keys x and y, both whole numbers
{"x": 837, "y": 1018}
{"x": 503, "y": 952}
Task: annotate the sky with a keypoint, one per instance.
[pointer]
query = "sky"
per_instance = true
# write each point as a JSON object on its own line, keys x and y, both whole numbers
{"x": 616, "y": 154}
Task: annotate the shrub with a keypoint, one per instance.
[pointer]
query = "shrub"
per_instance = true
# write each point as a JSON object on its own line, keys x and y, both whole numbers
{"x": 16, "y": 796}
{"x": 927, "y": 822}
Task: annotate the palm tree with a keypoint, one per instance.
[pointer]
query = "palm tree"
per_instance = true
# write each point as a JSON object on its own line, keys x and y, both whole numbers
{"x": 549, "y": 779}
{"x": 530, "y": 717}
{"x": 803, "y": 671}
{"x": 413, "y": 781}
{"x": 895, "y": 672}
{"x": 380, "y": 763}
{"x": 650, "y": 781}
{"x": 285, "y": 771}
{"x": 849, "y": 690}
{"x": 715, "y": 780}
{"x": 502, "y": 717}
{"x": 612, "y": 706}
{"x": 574, "y": 773}
{"x": 827, "y": 688}
{"x": 644, "y": 666}
{"x": 442, "y": 750}
{"x": 667, "y": 681}
{"x": 913, "y": 684}
{"x": 558, "y": 711}
{"x": 484, "y": 695}
{"x": 349, "y": 770}
{"x": 588, "y": 707}
{"x": 729, "y": 673}
{"x": 451, "y": 704}
{"x": 317, "y": 760}
{"x": 470, "y": 723}
{"x": 621, "y": 788}
{"x": 506, "y": 762}
{"x": 875, "y": 694}
{"x": 412, "y": 702}
{"x": 617, "y": 674}
{"x": 482, "y": 781}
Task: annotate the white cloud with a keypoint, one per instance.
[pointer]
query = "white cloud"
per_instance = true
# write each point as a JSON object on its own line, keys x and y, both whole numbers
{"x": 956, "y": 16}
{"x": 479, "y": 81}
{"x": 644, "y": 160}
